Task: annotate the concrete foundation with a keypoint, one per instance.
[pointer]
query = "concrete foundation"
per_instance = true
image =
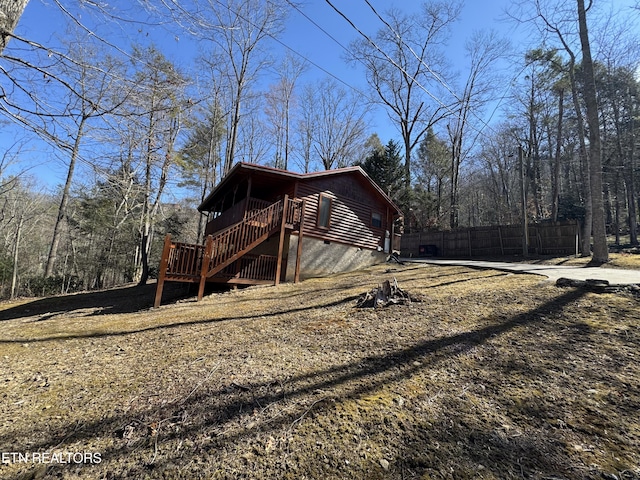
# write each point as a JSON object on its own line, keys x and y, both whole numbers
{"x": 320, "y": 258}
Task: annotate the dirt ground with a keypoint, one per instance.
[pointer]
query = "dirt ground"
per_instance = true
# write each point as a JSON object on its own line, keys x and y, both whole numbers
{"x": 492, "y": 376}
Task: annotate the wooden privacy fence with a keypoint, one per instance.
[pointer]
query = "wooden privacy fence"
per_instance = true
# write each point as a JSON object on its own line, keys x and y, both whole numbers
{"x": 560, "y": 238}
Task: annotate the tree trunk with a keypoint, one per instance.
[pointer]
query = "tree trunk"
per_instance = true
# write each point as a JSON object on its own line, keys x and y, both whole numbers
{"x": 617, "y": 208}
{"x": 629, "y": 183}
{"x": 16, "y": 249}
{"x": 10, "y": 13}
{"x": 406, "y": 136}
{"x": 145, "y": 227}
{"x": 456, "y": 147}
{"x": 600, "y": 249}
{"x": 62, "y": 210}
{"x": 631, "y": 202}
{"x": 556, "y": 166}
{"x": 532, "y": 170}
{"x": 582, "y": 153}
{"x": 587, "y": 226}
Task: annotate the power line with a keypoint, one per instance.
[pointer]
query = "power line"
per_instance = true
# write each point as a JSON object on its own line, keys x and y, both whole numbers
{"x": 444, "y": 84}
{"x": 317, "y": 26}
{"x": 294, "y": 51}
{"x": 392, "y": 61}
{"x": 434, "y": 74}
{"x": 395, "y": 64}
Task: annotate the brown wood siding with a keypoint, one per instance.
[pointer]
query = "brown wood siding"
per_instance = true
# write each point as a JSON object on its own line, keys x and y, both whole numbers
{"x": 351, "y": 210}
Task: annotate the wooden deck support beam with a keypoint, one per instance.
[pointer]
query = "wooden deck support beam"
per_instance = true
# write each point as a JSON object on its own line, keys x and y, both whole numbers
{"x": 296, "y": 277}
{"x": 283, "y": 225}
{"x": 164, "y": 262}
{"x": 206, "y": 260}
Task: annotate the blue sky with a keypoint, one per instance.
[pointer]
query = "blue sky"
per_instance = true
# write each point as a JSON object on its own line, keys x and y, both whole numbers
{"x": 315, "y": 44}
{"x": 42, "y": 19}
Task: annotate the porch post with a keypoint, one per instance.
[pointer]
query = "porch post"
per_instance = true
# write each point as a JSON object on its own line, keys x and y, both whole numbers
{"x": 164, "y": 262}
{"x": 249, "y": 182}
{"x": 206, "y": 260}
{"x": 296, "y": 278}
{"x": 283, "y": 223}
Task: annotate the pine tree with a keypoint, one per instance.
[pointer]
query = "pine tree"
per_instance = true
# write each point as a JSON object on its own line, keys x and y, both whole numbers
{"x": 386, "y": 169}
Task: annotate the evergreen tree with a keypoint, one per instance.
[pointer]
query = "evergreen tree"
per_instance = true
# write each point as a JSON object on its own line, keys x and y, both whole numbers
{"x": 384, "y": 166}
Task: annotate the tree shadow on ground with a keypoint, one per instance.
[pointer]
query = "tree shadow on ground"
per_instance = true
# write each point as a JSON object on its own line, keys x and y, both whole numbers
{"x": 111, "y": 301}
{"x": 214, "y": 416}
{"x": 186, "y": 323}
{"x": 129, "y": 299}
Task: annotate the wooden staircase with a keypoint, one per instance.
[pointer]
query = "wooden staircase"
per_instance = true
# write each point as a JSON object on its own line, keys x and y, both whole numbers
{"x": 182, "y": 262}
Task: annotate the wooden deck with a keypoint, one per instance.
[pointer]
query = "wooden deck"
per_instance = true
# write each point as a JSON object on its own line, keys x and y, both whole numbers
{"x": 226, "y": 255}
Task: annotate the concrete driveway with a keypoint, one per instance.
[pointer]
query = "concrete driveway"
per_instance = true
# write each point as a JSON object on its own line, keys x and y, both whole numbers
{"x": 615, "y": 276}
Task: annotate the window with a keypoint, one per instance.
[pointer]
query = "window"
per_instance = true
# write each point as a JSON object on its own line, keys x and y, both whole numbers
{"x": 376, "y": 220}
{"x": 324, "y": 211}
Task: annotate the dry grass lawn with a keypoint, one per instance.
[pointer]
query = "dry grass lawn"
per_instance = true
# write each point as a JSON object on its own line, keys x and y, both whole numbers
{"x": 492, "y": 376}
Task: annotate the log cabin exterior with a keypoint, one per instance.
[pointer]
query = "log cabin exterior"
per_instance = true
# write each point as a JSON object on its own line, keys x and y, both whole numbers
{"x": 266, "y": 225}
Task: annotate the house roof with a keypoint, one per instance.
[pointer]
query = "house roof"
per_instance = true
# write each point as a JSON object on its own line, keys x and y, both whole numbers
{"x": 276, "y": 176}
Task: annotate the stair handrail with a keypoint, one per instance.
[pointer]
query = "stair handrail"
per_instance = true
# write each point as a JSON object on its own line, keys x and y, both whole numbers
{"x": 236, "y": 238}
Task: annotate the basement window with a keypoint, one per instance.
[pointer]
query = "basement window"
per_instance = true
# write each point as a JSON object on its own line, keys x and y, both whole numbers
{"x": 324, "y": 211}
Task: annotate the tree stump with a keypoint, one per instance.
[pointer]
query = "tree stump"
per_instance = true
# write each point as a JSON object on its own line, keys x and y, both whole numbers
{"x": 387, "y": 293}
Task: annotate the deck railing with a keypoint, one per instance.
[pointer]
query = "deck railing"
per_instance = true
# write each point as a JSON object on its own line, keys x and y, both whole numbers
{"x": 252, "y": 267}
{"x": 235, "y": 214}
{"x": 294, "y": 212}
{"x": 185, "y": 262}
{"x": 229, "y": 244}
{"x": 255, "y": 204}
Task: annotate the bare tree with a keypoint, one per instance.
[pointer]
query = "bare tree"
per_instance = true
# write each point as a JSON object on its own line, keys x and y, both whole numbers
{"x": 619, "y": 49}
{"x": 202, "y": 156}
{"x": 405, "y": 65}
{"x": 239, "y": 30}
{"x": 434, "y": 170}
{"x": 484, "y": 49}
{"x": 559, "y": 23}
{"x": 280, "y": 102}
{"x": 568, "y": 24}
{"x": 254, "y": 143}
{"x": 501, "y": 167}
{"x": 8, "y": 182}
{"x": 160, "y": 106}
{"x": 305, "y": 129}
{"x": 22, "y": 210}
{"x": 338, "y": 123}
{"x": 96, "y": 91}
{"x": 600, "y": 248}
